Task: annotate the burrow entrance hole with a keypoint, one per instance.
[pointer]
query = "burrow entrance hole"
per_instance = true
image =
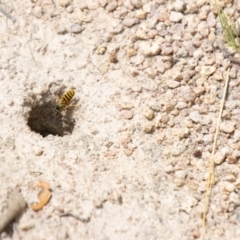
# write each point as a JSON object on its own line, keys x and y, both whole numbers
{"x": 43, "y": 120}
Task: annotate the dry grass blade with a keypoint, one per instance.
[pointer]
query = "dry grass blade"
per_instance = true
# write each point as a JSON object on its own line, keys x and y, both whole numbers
{"x": 210, "y": 180}
{"x": 228, "y": 27}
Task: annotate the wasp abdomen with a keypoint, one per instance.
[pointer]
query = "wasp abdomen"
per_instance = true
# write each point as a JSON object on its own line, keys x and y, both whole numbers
{"x": 64, "y": 101}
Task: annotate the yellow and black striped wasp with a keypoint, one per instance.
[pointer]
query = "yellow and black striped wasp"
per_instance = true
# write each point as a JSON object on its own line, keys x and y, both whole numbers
{"x": 64, "y": 101}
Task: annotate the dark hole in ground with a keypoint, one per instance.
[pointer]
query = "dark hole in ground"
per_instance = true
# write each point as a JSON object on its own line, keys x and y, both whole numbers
{"x": 42, "y": 120}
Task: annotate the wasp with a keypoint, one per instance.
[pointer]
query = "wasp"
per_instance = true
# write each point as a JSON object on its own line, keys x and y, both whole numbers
{"x": 64, "y": 101}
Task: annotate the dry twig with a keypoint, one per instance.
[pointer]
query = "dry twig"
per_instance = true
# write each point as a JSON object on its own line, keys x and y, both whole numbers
{"x": 210, "y": 180}
{"x": 16, "y": 206}
{"x": 68, "y": 214}
{"x": 8, "y": 15}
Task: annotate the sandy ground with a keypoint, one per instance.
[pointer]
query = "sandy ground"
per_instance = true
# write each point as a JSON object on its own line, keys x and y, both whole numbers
{"x": 130, "y": 160}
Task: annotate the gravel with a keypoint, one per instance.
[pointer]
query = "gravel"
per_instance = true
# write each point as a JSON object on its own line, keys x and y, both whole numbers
{"x": 130, "y": 159}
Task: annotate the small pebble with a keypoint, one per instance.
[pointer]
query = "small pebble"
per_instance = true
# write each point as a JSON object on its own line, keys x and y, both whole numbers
{"x": 173, "y": 84}
{"x": 187, "y": 203}
{"x": 188, "y": 95}
{"x": 231, "y": 159}
{"x": 147, "y": 7}
{"x": 197, "y": 118}
{"x": 237, "y": 183}
{"x": 207, "y": 70}
{"x": 225, "y": 151}
{"x": 181, "y": 105}
{"x": 230, "y": 178}
{"x": 103, "y": 68}
{"x": 179, "y": 182}
{"x": 126, "y": 106}
{"x": 137, "y": 89}
{"x": 113, "y": 57}
{"x": 208, "y": 138}
{"x": 60, "y": 29}
{"x": 111, "y": 6}
{"x": 163, "y": 17}
{"x": 93, "y": 130}
{"x": 140, "y": 14}
{"x": 175, "y": 16}
{"x": 103, "y": 3}
{"x": 151, "y": 72}
{"x": 219, "y": 158}
{"x": 179, "y": 6}
{"x": 227, "y": 126}
{"x": 148, "y": 128}
{"x": 27, "y": 226}
{"x": 141, "y": 34}
{"x": 181, "y": 174}
{"x": 126, "y": 114}
{"x": 125, "y": 139}
{"x": 37, "y": 11}
{"x": 178, "y": 148}
{"x": 133, "y": 71}
{"x": 236, "y": 153}
{"x": 229, "y": 187}
{"x": 164, "y": 119}
{"x": 168, "y": 107}
{"x": 198, "y": 54}
{"x": 149, "y": 113}
{"x": 167, "y": 51}
{"x": 169, "y": 169}
{"x": 101, "y": 50}
{"x": 75, "y": 28}
{"x": 149, "y": 49}
{"x": 155, "y": 107}
{"x": 70, "y": 9}
{"x": 121, "y": 13}
{"x": 183, "y": 133}
{"x": 92, "y": 5}
{"x": 128, "y": 152}
{"x": 117, "y": 29}
{"x": 129, "y": 22}
{"x": 198, "y": 91}
{"x": 131, "y": 52}
{"x": 137, "y": 3}
{"x": 65, "y": 3}
{"x": 137, "y": 60}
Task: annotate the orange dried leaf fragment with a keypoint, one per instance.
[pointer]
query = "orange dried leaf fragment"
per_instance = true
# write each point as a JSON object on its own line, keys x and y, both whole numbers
{"x": 44, "y": 196}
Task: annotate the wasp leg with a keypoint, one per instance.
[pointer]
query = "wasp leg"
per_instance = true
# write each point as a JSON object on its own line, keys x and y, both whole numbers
{"x": 56, "y": 112}
{"x": 69, "y": 106}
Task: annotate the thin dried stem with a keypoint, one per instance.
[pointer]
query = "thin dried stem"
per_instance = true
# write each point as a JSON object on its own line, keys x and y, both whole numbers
{"x": 210, "y": 180}
{"x": 7, "y": 15}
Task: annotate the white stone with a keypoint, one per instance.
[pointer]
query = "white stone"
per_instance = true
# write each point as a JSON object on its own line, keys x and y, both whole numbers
{"x": 187, "y": 203}
{"x": 207, "y": 70}
{"x": 181, "y": 174}
{"x": 149, "y": 49}
{"x": 175, "y": 16}
{"x": 172, "y": 83}
{"x": 178, "y": 148}
{"x": 179, "y": 6}
{"x": 219, "y": 158}
{"x": 227, "y": 126}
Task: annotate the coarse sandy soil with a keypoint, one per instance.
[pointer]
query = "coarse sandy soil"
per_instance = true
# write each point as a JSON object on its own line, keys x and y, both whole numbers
{"x": 129, "y": 158}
